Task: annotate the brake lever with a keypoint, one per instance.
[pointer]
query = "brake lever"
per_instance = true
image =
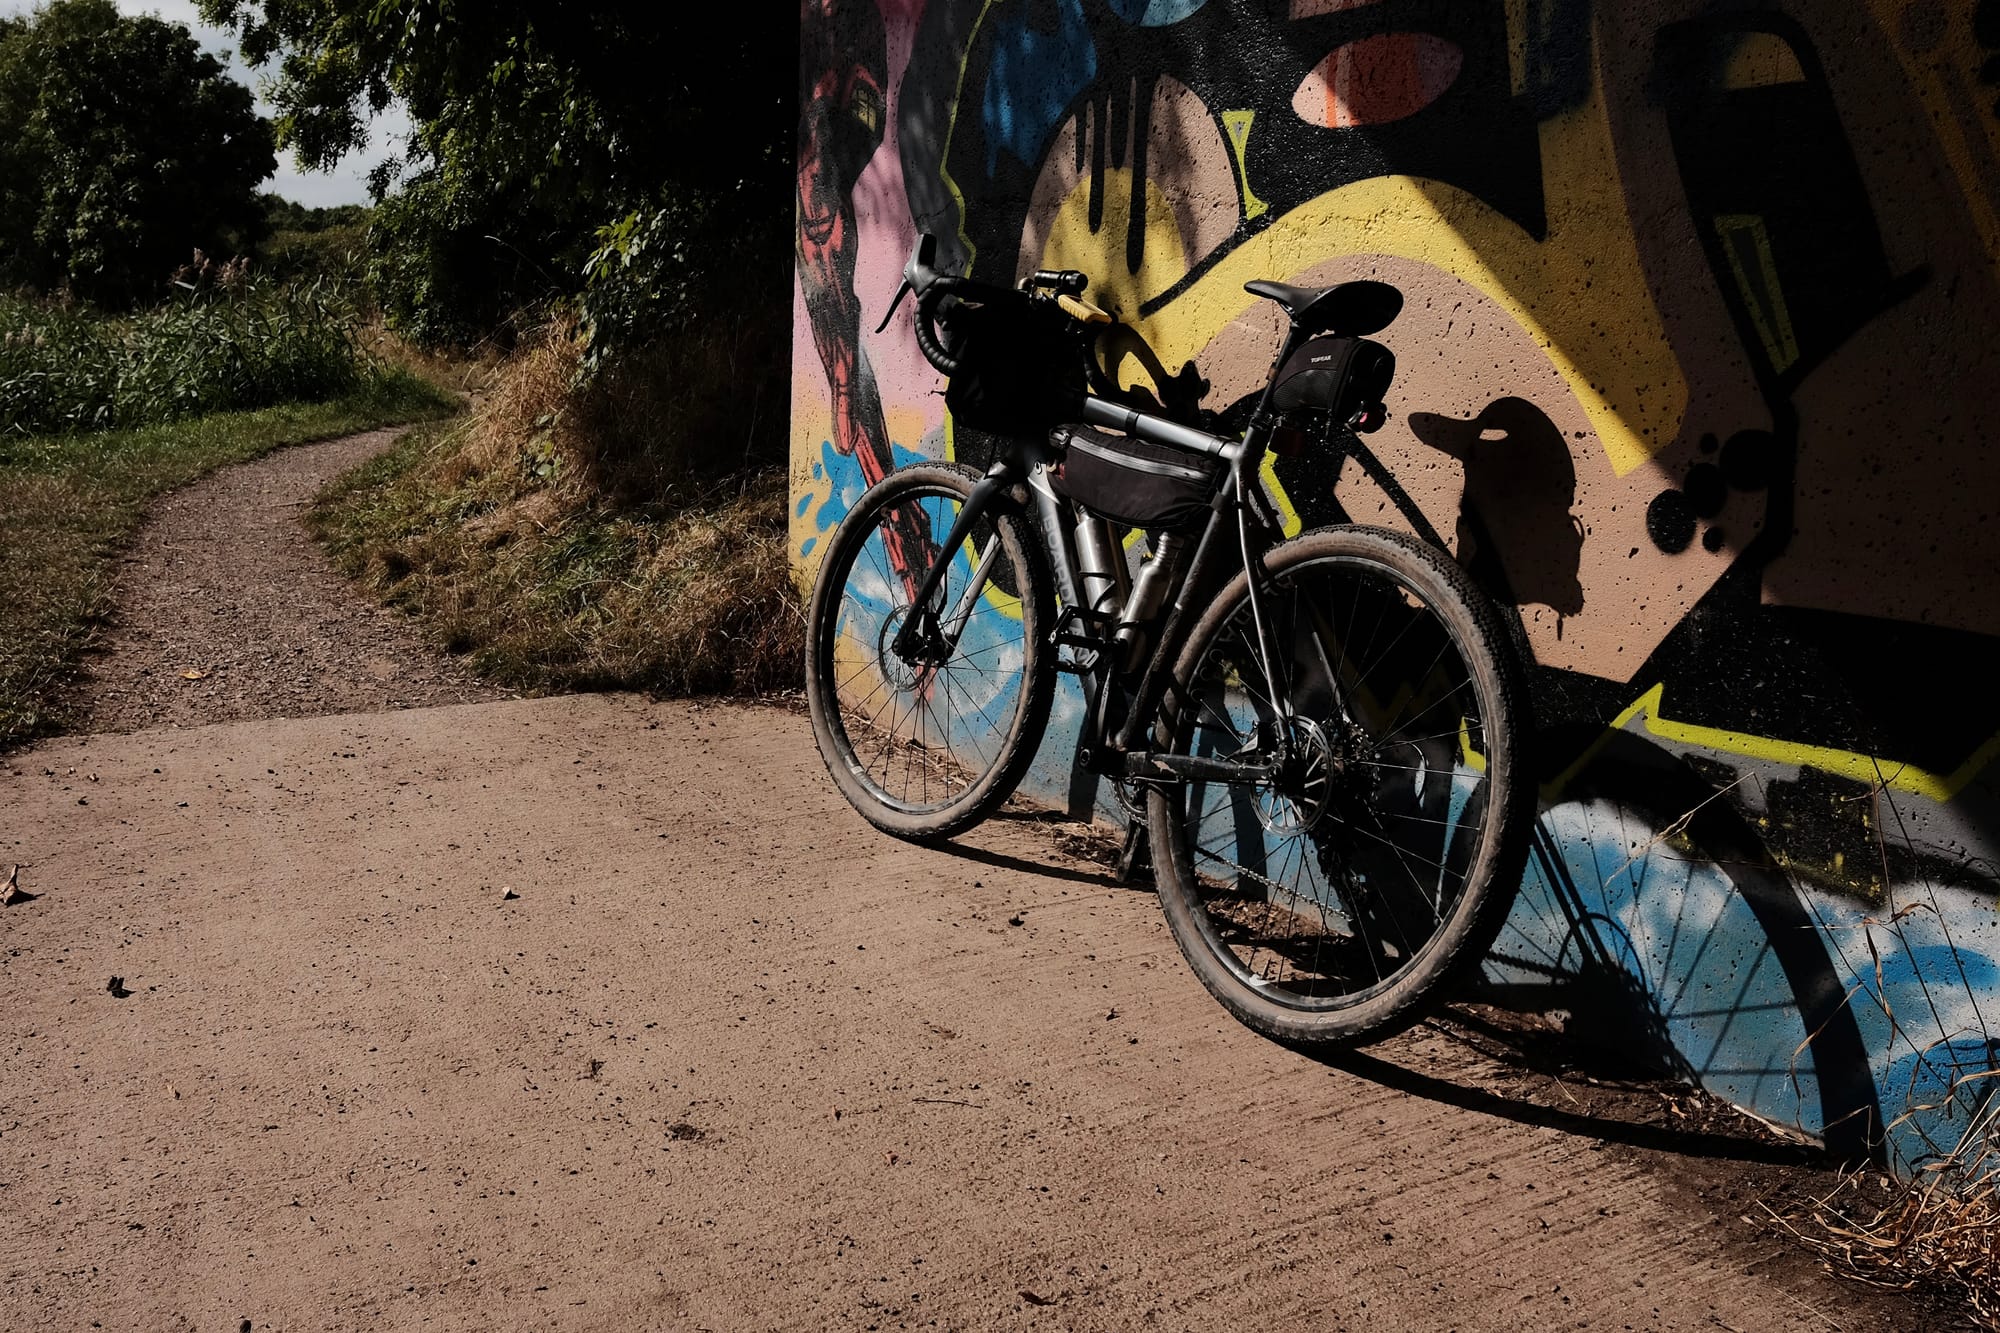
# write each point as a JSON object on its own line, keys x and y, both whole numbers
{"x": 901, "y": 292}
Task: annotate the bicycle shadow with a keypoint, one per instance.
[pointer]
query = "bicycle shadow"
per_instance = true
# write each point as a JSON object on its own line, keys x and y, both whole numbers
{"x": 1096, "y": 850}
{"x": 1618, "y": 1092}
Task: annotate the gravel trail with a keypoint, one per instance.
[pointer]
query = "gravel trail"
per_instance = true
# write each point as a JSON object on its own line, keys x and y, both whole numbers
{"x": 227, "y": 610}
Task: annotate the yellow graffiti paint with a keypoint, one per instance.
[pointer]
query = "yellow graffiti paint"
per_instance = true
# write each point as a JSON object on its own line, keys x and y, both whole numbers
{"x": 1583, "y": 278}
{"x": 1747, "y": 242}
{"x": 1072, "y": 243}
{"x": 1943, "y": 82}
{"x": 1891, "y": 774}
{"x": 1237, "y": 125}
{"x": 1761, "y": 60}
{"x": 1288, "y": 513}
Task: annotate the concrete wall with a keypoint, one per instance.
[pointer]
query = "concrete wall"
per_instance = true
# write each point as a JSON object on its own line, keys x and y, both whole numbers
{"x": 1699, "y": 369}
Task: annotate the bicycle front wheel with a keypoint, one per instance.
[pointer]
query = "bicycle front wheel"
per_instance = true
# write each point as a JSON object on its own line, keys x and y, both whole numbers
{"x": 928, "y": 739}
{"x": 1378, "y": 846}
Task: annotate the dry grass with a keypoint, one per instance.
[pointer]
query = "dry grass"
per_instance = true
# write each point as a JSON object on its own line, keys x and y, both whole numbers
{"x": 469, "y": 372}
{"x": 628, "y": 535}
{"x": 1937, "y": 1236}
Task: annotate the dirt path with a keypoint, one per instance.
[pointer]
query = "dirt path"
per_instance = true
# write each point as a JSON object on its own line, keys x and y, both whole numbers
{"x": 730, "y": 1060}
{"x": 223, "y": 581}
{"x": 592, "y": 1014}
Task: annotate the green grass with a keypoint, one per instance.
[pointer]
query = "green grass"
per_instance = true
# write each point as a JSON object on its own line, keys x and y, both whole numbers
{"x": 69, "y": 503}
{"x": 228, "y": 348}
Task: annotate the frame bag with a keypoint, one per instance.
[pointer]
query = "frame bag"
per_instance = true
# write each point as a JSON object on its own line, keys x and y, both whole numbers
{"x": 1134, "y": 483}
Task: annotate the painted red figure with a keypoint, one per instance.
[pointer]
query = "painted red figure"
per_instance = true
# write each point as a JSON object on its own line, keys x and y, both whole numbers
{"x": 842, "y": 108}
{"x": 843, "y": 67}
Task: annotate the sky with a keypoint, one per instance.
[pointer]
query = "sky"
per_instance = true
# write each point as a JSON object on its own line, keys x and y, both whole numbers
{"x": 345, "y": 184}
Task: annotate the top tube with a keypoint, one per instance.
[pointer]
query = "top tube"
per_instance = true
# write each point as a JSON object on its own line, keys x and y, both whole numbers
{"x": 1103, "y": 412}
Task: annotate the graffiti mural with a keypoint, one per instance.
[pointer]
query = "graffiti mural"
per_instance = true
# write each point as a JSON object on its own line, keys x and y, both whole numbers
{"x": 1702, "y": 341}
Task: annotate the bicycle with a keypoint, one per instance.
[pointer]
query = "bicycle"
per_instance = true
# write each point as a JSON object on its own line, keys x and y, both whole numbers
{"x": 1320, "y": 737}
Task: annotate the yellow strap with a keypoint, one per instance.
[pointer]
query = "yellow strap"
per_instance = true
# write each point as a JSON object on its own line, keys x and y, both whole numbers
{"x": 1083, "y": 310}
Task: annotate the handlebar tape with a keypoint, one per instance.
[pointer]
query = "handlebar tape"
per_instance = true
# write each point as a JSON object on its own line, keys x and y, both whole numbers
{"x": 927, "y": 339}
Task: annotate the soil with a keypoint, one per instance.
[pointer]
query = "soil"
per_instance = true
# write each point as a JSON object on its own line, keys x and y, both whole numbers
{"x": 600, "y": 1013}
{"x": 227, "y": 611}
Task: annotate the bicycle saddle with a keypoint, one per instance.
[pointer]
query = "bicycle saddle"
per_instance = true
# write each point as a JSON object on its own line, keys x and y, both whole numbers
{"x": 1350, "y": 309}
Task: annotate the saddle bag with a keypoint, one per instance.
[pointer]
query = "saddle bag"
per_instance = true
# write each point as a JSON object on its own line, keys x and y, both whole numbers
{"x": 1134, "y": 483}
{"x": 1019, "y": 371}
{"x": 1334, "y": 376}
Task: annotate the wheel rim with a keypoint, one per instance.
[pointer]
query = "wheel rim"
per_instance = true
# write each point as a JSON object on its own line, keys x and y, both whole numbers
{"x": 1320, "y": 887}
{"x": 922, "y": 735}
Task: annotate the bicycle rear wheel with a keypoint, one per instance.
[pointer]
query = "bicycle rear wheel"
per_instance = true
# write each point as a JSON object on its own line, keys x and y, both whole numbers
{"x": 927, "y": 745}
{"x": 1327, "y": 901}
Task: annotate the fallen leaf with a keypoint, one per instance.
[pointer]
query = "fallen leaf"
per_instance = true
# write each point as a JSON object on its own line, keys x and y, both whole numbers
{"x": 117, "y": 988}
{"x": 194, "y": 675}
{"x": 11, "y": 892}
{"x": 1033, "y": 1299}
{"x": 507, "y": 895}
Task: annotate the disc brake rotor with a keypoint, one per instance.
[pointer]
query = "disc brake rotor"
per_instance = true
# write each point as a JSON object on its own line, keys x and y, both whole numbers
{"x": 1300, "y": 793}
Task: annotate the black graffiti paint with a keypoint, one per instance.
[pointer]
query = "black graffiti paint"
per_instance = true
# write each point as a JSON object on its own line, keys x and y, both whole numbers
{"x": 1986, "y": 31}
{"x": 990, "y": 85}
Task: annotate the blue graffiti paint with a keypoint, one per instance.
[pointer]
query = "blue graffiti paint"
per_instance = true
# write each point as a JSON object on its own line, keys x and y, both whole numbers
{"x": 805, "y": 503}
{"x": 1155, "y": 13}
{"x": 967, "y": 709}
{"x": 1948, "y": 1090}
{"x": 1031, "y": 80}
{"x": 1621, "y": 912}
{"x": 1915, "y": 983}
{"x": 848, "y": 481}
{"x": 1607, "y": 906}
{"x": 806, "y": 546}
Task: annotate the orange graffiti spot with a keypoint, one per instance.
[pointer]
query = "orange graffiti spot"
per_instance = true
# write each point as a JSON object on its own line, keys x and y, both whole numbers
{"x": 1378, "y": 79}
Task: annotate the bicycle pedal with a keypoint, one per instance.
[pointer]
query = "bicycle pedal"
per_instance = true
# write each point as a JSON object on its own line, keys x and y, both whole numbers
{"x": 1137, "y": 854}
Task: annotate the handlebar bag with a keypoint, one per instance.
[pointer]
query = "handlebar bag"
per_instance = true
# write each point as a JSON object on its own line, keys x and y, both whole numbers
{"x": 1134, "y": 482}
{"x": 1334, "y": 375}
{"x": 1020, "y": 372}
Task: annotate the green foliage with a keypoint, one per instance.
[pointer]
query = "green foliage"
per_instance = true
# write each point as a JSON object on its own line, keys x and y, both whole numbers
{"x": 306, "y": 243}
{"x": 65, "y": 370}
{"x": 665, "y": 270}
{"x": 538, "y": 124}
{"x": 124, "y": 148}
{"x": 286, "y": 215}
{"x": 336, "y": 255}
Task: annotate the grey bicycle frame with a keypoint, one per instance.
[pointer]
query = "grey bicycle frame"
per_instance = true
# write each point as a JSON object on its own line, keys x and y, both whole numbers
{"x": 1024, "y": 465}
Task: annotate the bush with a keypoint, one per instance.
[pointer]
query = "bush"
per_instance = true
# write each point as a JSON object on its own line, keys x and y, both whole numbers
{"x": 65, "y": 370}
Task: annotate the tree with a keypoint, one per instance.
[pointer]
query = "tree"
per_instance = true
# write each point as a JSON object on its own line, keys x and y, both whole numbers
{"x": 548, "y": 134}
{"x": 123, "y": 148}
